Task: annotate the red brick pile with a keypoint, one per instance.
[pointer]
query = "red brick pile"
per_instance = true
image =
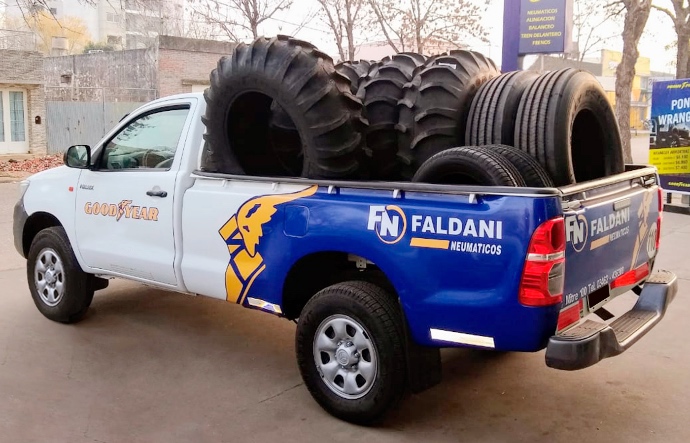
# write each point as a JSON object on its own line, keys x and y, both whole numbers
{"x": 33, "y": 165}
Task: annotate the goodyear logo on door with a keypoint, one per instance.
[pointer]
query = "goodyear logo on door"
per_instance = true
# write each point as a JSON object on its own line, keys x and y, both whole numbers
{"x": 124, "y": 209}
{"x": 243, "y": 233}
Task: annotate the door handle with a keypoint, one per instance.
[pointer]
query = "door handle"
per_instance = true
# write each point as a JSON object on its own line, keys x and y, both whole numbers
{"x": 157, "y": 193}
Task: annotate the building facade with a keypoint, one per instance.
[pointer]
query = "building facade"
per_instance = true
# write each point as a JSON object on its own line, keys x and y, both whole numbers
{"x": 22, "y": 102}
{"x": 123, "y": 24}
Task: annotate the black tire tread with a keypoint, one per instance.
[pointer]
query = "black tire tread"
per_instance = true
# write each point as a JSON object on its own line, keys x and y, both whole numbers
{"x": 492, "y": 116}
{"x": 497, "y": 169}
{"x": 307, "y": 86}
{"x": 529, "y": 168}
{"x": 447, "y": 86}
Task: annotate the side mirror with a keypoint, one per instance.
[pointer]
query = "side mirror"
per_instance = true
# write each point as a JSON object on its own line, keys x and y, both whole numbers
{"x": 78, "y": 156}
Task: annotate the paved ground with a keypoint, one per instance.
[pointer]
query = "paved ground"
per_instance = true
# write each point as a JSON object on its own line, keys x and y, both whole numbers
{"x": 151, "y": 366}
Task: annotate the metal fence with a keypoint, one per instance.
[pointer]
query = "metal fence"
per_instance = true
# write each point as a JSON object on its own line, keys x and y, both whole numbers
{"x": 17, "y": 40}
{"x": 81, "y": 123}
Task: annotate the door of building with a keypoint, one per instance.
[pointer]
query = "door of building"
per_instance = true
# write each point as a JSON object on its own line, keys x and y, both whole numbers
{"x": 14, "y": 136}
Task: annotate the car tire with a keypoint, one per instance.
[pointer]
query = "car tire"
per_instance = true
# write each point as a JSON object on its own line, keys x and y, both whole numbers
{"x": 360, "y": 325}
{"x": 61, "y": 290}
{"x": 469, "y": 165}
{"x": 532, "y": 172}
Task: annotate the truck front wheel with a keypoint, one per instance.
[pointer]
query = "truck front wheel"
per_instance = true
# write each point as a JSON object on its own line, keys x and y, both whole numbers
{"x": 60, "y": 289}
{"x": 350, "y": 351}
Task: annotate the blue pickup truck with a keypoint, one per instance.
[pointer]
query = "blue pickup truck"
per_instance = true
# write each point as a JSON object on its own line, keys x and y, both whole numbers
{"x": 377, "y": 275}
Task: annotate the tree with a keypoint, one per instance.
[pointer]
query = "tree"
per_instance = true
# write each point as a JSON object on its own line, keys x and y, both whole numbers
{"x": 239, "y": 19}
{"x": 680, "y": 16}
{"x": 636, "y": 15}
{"x": 345, "y": 18}
{"x": 45, "y": 27}
{"x": 417, "y": 24}
{"x": 589, "y": 30}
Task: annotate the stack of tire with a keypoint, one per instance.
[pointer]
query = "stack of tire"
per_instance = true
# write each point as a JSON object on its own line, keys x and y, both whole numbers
{"x": 280, "y": 107}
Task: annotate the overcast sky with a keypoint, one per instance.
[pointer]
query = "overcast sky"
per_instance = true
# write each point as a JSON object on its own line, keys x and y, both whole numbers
{"x": 658, "y": 34}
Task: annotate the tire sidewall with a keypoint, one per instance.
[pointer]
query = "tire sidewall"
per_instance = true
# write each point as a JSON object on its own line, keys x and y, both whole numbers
{"x": 387, "y": 378}
{"x": 583, "y": 93}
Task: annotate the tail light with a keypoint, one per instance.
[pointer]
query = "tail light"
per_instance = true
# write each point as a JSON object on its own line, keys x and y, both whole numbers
{"x": 631, "y": 277}
{"x": 544, "y": 273}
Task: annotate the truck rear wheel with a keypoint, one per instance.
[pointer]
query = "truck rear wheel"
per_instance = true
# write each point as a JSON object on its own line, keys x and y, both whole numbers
{"x": 350, "y": 351}
{"x": 60, "y": 289}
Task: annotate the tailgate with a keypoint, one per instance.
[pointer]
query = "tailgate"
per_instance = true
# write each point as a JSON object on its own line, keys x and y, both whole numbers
{"x": 611, "y": 231}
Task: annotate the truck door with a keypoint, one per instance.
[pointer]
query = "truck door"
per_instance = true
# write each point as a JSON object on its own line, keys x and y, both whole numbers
{"x": 124, "y": 213}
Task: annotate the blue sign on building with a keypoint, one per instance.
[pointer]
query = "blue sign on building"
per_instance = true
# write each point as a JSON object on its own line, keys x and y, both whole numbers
{"x": 545, "y": 26}
{"x": 669, "y": 141}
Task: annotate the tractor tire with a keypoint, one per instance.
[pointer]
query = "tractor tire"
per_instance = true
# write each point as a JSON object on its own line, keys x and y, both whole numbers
{"x": 354, "y": 71}
{"x": 494, "y": 109}
{"x": 447, "y": 86}
{"x": 532, "y": 172}
{"x": 380, "y": 91}
{"x": 469, "y": 165}
{"x": 566, "y": 122}
{"x": 304, "y": 83}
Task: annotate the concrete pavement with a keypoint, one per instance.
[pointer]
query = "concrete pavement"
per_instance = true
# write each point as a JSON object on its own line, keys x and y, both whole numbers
{"x": 152, "y": 366}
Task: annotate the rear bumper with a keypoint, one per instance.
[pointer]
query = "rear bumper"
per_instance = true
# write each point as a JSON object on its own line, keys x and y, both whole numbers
{"x": 591, "y": 342}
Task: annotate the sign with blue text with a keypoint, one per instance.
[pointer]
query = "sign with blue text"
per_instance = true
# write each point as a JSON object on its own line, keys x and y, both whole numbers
{"x": 669, "y": 141}
{"x": 545, "y": 26}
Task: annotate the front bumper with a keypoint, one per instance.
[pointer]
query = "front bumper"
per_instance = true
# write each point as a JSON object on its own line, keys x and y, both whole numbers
{"x": 591, "y": 341}
{"x": 19, "y": 221}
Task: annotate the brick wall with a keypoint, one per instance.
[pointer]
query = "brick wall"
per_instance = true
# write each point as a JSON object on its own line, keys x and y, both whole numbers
{"x": 21, "y": 67}
{"x": 183, "y": 63}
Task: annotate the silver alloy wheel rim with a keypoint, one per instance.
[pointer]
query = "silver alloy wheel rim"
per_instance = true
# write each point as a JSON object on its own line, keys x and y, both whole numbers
{"x": 345, "y": 356}
{"x": 49, "y": 276}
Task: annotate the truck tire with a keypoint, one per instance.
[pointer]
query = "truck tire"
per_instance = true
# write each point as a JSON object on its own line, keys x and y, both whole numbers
{"x": 61, "y": 290}
{"x": 447, "y": 87}
{"x": 350, "y": 351}
{"x": 304, "y": 83}
{"x": 491, "y": 119}
{"x": 380, "y": 91}
{"x": 530, "y": 170}
{"x": 469, "y": 165}
{"x": 354, "y": 71}
{"x": 566, "y": 122}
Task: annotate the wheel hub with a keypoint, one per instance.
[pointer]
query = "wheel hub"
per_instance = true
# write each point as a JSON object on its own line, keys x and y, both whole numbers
{"x": 347, "y": 355}
{"x": 51, "y": 278}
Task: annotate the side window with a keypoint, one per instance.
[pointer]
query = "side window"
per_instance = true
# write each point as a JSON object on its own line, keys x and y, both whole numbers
{"x": 150, "y": 141}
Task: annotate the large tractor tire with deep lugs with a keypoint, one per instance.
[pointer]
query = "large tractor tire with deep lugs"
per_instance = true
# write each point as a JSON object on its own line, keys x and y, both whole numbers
{"x": 447, "y": 86}
{"x": 566, "y": 122}
{"x": 494, "y": 109}
{"x": 469, "y": 165}
{"x": 304, "y": 83}
{"x": 355, "y": 71}
{"x": 380, "y": 91}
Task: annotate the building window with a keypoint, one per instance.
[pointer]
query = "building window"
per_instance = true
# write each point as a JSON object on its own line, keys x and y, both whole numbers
{"x": 17, "y": 116}
{"x": 13, "y": 121}
{"x": 112, "y": 17}
{"x": 115, "y": 40}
